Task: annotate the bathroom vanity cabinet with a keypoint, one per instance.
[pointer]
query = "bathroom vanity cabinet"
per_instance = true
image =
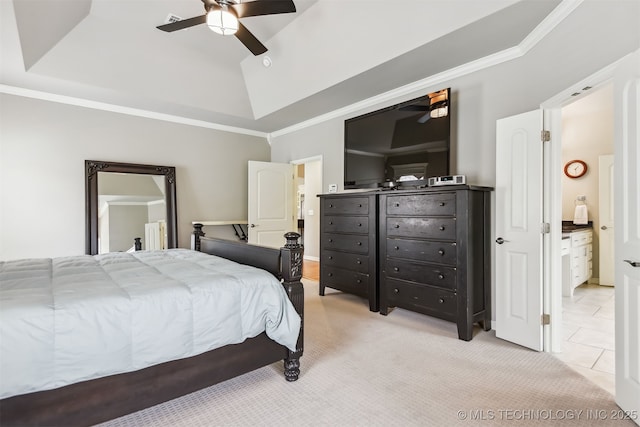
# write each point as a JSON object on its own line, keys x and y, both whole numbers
{"x": 578, "y": 247}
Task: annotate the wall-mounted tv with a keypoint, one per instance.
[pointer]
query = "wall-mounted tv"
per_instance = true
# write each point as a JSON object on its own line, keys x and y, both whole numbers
{"x": 405, "y": 143}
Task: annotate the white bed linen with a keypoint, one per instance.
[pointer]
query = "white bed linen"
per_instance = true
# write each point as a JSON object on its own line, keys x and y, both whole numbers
{"x": 69, "y": 319}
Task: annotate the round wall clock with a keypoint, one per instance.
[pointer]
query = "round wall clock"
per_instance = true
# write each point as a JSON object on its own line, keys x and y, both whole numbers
{"x": 575, "y": 168}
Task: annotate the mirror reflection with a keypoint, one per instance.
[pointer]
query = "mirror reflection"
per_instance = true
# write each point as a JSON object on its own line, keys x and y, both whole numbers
{"x": 129, "y": 207}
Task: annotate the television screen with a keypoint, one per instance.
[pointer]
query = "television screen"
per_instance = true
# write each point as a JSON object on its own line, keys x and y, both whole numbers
{"x": 404, "y": 143}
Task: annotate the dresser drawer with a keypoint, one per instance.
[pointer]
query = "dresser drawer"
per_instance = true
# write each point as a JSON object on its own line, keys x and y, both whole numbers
{"x": 346, "y": 242}
{"x": 345, "y": 280}
{"x": 427, "y": 228}
{"x": 428, "y": 251}
{"x": 350, "y": 205}
{"x": 354, "y": 262}
{"x": 436, "y": 204}
{"x": 346, "y": 224}
{"x": 435, "y": 275}
{"x": 438, "y": 302}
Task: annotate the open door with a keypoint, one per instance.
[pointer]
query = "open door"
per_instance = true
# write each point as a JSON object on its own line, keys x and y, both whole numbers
{"x": 519, "y": 214}
{"x": 271, "y": 192}
{"x": 627, "y": 234}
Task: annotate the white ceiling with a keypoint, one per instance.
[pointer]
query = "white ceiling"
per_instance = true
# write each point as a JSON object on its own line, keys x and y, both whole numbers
{"x": 330, "y": 54}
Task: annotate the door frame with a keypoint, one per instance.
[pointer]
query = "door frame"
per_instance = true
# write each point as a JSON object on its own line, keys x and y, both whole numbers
{"x": 552, "y": 200}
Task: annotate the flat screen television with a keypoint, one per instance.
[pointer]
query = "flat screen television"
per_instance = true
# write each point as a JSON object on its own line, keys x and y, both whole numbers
{"x": 405, "y": 143}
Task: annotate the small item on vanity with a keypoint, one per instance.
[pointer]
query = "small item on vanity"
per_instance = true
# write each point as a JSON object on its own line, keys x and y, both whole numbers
{"x": 575, "y": 168}
{"x": 581, "y": 216}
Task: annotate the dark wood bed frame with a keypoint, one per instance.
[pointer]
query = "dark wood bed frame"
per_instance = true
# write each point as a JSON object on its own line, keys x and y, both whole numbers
{"x": 102, "y": 399}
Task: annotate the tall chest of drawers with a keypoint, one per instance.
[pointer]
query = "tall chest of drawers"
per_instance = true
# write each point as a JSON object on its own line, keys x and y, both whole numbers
{"x": 348, "y": 245}
{"x": 435, "y": 254}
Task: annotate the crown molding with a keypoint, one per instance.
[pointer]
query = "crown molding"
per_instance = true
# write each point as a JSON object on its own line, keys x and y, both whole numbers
{"x": 86, "y": 103}
{"x": 556, "y": 16}
{"x": 546, "y": 25}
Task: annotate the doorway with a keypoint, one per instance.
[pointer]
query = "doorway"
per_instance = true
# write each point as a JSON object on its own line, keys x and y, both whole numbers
{"x": 308, "y": 186}
{"x": 587, "y": 343}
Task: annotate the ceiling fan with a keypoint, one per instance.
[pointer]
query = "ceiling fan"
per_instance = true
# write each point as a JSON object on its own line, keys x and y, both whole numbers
{"x": 438, "y": 106}
{"x": 223, "y": 17}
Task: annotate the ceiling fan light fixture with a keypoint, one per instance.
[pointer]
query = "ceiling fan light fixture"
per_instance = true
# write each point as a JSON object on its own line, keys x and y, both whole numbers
{"x": 222, "y": 21}
{"x": 439, "y": 112}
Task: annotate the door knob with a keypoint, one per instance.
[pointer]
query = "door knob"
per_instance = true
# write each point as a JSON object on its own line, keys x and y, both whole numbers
{"x": 604, "y": 227}
{"x": 253, "y": 225}
{"x": 500, "y": 240}
{"x": 633, "y": 263}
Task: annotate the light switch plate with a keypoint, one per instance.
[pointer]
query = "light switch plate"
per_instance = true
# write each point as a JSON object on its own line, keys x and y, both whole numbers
{"x": 333, "y": 188}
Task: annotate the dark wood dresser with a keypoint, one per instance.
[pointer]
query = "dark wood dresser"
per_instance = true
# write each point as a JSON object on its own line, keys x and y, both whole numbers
{"x": 435, "y": 254}
{"x": 348, "y": 244}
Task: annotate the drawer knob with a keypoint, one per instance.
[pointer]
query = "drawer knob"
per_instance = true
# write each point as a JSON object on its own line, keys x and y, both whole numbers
{"x": 359, "y": 281}
{"x": 396, "y": 248}
{"x": 330, "y": 274}
{"x": 358, "y": 262}
{"x": 397, "y": 205}
{"x": 359, "y": 225}
{"x": 397, "y": 226}
{"x": 441, "y": 252}
{"x": 330, "y": 205}
{"x": 396, "y": 269}
{"x": 330, "y": 240}
{"x": 395, "y": 290}
{"x": 359, "y": 243}
{"x": 441, "y": 300}
{"x": 442, "y": 203}
{"x": 440, "y": 276}
{"x": 330, "y": 222}
{"x": 360, "y": 205}
{"x": 330, "y": 256}
{"x": 442, "y": 228}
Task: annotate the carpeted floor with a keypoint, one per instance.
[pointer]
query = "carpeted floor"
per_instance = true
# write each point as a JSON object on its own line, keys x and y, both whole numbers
{"x": 364, "y": 369}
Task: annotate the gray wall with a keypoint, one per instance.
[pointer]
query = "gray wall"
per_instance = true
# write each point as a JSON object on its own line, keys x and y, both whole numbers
{"x": 43, "y": 146}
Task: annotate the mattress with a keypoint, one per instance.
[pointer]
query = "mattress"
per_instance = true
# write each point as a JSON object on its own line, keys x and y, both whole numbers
{"x": 70, "y": 319}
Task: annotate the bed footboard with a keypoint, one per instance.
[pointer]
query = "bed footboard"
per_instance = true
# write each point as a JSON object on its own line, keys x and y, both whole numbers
{"x": 284, "y": 263}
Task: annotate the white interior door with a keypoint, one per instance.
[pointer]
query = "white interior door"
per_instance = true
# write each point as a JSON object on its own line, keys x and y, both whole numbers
{"x": 271, "y": 199}
{"x": 605, "y": 212}
{"x": 518, "y": 229}
{"x": 627, "y": 234}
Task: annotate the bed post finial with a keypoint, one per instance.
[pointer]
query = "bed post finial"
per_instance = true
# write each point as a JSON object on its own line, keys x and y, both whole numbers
{"x": 137, "y": 243}
{"x": 292, "y": 255}
{"x": 197, "y": 234}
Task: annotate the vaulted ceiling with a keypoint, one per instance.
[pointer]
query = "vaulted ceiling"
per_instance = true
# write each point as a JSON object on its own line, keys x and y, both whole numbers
{"x": 329, "y": 54}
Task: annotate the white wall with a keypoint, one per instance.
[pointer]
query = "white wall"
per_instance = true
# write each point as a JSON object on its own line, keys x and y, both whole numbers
{"x": 43, "y": 146}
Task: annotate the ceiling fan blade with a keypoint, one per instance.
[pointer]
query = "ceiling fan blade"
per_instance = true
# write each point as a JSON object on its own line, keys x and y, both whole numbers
{"x": 424, "y": 118}
{"x": 183, "y": 23}
{"x": 263, "y": 7}
{"x": 249, "y": 40}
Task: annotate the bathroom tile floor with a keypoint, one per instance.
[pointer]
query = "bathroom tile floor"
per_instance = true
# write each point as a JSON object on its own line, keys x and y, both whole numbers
{"x": 588, "y": 345}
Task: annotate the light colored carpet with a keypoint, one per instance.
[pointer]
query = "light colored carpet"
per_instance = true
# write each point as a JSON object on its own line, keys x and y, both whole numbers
{"x": 363, "y": 369}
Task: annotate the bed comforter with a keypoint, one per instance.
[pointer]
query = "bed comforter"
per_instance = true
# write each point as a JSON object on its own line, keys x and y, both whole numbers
{"x": 69, "y": 319}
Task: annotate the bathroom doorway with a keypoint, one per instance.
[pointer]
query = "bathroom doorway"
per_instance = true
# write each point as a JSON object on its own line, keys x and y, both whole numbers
{"x": 587, "y": 306}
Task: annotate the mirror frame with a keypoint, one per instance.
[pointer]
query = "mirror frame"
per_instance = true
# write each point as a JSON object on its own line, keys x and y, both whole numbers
{"x": 91, "y": 169}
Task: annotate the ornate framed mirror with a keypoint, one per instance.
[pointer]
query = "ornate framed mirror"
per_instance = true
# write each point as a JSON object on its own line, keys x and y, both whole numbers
{"x": 127, "y": 188}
